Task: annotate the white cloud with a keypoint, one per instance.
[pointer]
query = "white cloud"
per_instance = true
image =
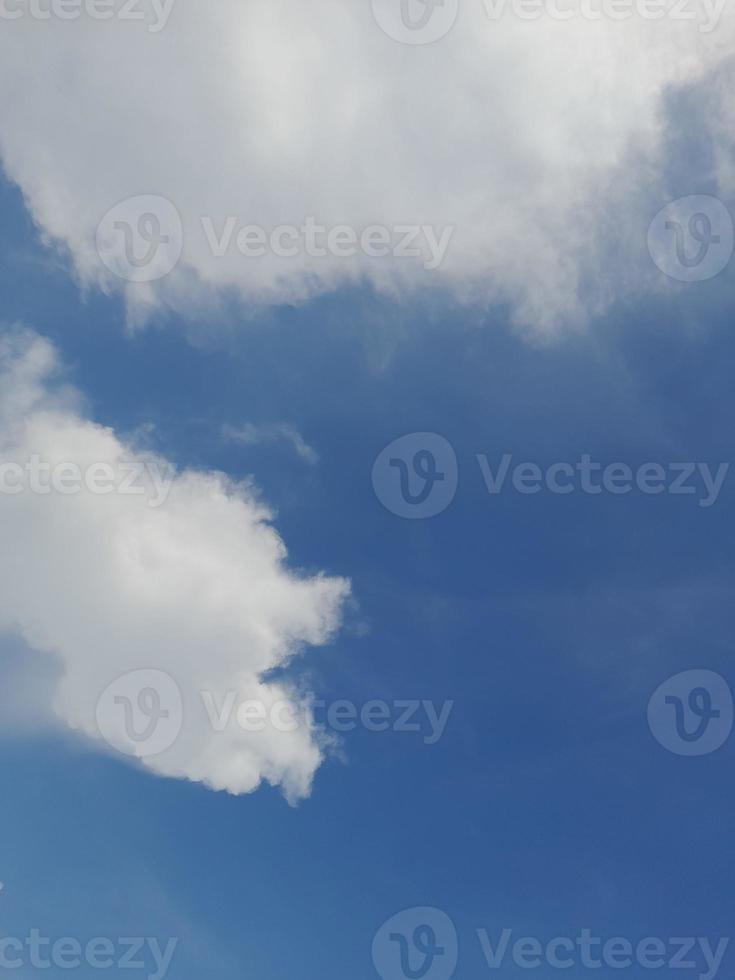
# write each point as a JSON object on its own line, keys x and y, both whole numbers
{"x": 249, "y": 434}
{"x": 197, "y": 587}
{"x": 536, "y": 140}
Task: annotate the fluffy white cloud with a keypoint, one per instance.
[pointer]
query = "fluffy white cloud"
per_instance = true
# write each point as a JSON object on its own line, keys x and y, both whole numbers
{"x": 532, "y": 139}
{"x": 186, "y": 577}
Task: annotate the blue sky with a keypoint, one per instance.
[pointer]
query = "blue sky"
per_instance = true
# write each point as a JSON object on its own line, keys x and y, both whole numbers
{"x": 547, "y": 805}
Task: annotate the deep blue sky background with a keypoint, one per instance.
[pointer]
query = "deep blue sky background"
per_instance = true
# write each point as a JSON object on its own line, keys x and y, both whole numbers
{"x": 547, "y": 806}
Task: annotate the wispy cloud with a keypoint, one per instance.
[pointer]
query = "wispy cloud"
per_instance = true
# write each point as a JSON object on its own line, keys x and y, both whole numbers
{"x": 249, "y": 434}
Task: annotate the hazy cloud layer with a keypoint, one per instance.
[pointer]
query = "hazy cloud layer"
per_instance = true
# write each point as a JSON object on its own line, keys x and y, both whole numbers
{"x": 534, "y": 140}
